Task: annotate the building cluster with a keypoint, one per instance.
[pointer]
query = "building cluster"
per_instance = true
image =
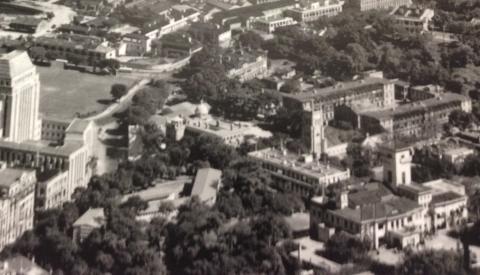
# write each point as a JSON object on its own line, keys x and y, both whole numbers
{"x": 400, "y": 215}
{"x": 348, "y": 101}
{"x": 34, "y": 174}
{"x": 268, "y": 16}
{"x": 204, "y": 186}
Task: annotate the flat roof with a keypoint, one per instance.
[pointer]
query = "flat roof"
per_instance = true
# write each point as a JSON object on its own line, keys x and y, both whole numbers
{"x": 11, "y": 175}
{"x": 338, "y": 90}
{"x": 417, "y": 107}
{"x": 14, "y": 63}
{"x": 42, "y": 147}
{"x": 291, "y": 160}
{"x": 446, "y": 197}
{"x": 415, "y": 188}
{"x": 252, "y": 11}
{"x": 298, "y": 221}
{"x": 94, "y": 217}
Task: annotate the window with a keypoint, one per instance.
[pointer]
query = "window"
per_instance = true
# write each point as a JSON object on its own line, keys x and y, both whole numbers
{"x": 404, "y": 178}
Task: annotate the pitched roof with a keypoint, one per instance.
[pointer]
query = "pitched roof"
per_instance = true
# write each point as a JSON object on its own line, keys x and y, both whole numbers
{"x": 14, "y": 64}
{"x": 22, "y": 265}
{"x": 206, "y": 183}
{"x": 94, "y": 217}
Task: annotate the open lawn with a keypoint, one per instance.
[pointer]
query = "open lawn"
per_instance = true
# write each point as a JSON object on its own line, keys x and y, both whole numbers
{"x": 64, "y": 93}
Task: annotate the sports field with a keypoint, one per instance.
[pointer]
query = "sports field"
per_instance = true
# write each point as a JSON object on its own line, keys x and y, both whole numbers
{"x": 64, "y": 93}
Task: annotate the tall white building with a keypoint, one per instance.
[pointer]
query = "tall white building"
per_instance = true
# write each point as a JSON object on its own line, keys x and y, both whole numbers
{"x": 19, "y": 98}
{"x": 17, "y": 192}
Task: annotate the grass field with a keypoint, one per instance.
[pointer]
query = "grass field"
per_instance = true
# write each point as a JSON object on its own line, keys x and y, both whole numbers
{"x": 64, "y": 93}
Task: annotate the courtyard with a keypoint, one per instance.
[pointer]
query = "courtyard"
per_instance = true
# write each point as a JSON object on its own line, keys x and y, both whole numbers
{"x": 66, "y": 93}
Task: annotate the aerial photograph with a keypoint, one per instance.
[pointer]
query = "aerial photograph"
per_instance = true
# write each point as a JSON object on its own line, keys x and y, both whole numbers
{"x": 225, "y": 137}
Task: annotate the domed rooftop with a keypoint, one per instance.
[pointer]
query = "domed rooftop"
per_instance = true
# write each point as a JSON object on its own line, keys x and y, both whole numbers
{"x": 202, "y": 109}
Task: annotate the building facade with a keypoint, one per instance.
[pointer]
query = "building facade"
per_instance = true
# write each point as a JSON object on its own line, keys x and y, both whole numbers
{"x": 308, "y": 11}
{"x": 17, "y": 195}
{"x": 319, "y": 105}
{"x": 19, "y": 98}
{"x": 365, "y": 5}
{"x": 300, "y": 174}
{"x": 413, "y": 19}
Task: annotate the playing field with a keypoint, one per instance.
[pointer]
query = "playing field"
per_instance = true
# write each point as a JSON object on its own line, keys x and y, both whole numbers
{"x": 64, "y": 93}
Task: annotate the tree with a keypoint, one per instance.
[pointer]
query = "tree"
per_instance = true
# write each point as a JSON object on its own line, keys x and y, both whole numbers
{"x": 118, "y": 91}
{"x": 251, "y": 39}
{"x": 344, "y": 248}
{"x": 429, "y": 262}
{"x": 291, "y": 86}
{"x": 37, "y": 53}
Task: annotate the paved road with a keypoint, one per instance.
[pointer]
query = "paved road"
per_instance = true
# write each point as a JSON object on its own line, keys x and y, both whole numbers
{"x": 62, "y": 15}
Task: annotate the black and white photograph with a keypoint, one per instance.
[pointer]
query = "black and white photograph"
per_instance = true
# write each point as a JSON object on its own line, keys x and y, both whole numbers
{"x": 239, "y": 137}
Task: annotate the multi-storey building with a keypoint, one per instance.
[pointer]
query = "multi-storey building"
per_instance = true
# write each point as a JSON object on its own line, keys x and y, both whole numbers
{"x": 54, "y": 129}
{"x": 208, "y": 33}
{"x": 17, "y": 194}
{"x": 136, "y": 44}
{"x": 22, "y": 147}
{"x": 269, "y": 25}
{"x": 19, "y": 98}
{"x": 201, "y": 123}
{"x": 90, "y": 48}
{"x": 401, "y": 218}
{"x": 412, "y": 19}
{"x": 365, "y": 5}
{"x": 319, "y": 105}
{"x": 308, "y": 11}
{"x": 421, "y": 119}
{"x": 51, "y": 190}
{"x": 301, "y": 174}
{"x": 245, "y": 65}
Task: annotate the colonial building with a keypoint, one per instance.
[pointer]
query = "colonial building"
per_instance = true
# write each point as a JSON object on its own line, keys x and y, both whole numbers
{"x": 245, "y": 64}
{"x": 401, "y": 218}
{"x": 90, "y": 48}
{"x": 231, "y": 133}
{"x": 177, "y": 45}
{"x": 17, "y": 194}
{"x": 365, "y": 5}
{"x": 413, "y": 19}
{"x": 308, "y": 11}
{"x": 208, "y": 33}
{"x": 19, "y": 98}
{"x": 301, "y": 174}
{"x": 51, "y": 190}
{"x": 136, "y": 44}
{"x": 320, "y": 105}
{"x": 421, "y": 119}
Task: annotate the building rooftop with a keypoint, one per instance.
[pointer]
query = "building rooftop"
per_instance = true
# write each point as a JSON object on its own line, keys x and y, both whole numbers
{"x": 27, "y": 21}
{"x": 245, "y": 13}
{"x": 311, "y": 167}
{"x": 206, "y": 183}
{"x": 14, "y": 63}
{"x": 78, "y": 126}
{"x": 11, "y": 175}
{"x": 94, "y": 217}
{"x": 409, "y": 12}
{"x": 415, "y": 188}
{"x": 446, "y": 197}
{"x": 338, "y": 90}
{"x": 298, "y": 221}
{"x": 391, "y": 208}
{"x": 443, "y": 186}
{"x": 233, "y": 59}
{"x": 21, "y": 265}
{"x": 371, "y": 193}
{"x": 42, "y": 147}
{"x": 426, "y": 105}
